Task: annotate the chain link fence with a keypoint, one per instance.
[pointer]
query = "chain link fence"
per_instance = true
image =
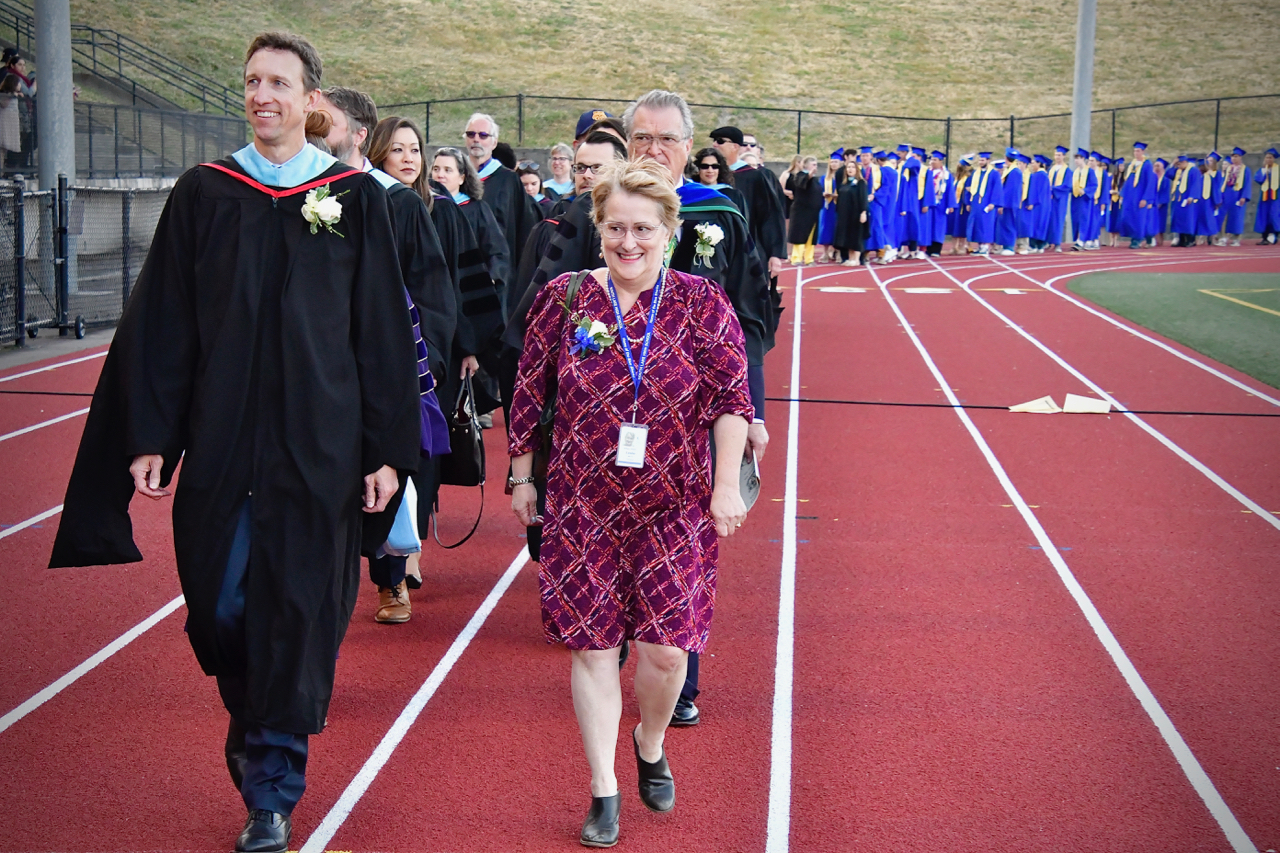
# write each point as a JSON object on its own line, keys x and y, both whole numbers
{"x": 115, "y": 141}
{"x": 75, "y": 255}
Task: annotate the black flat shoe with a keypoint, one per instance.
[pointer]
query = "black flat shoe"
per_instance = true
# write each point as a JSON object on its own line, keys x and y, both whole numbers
{"x": 685, "y": 714}
{"x": 624, "y": 654}
{"x": 265, "y": 832}
{"x": 601, "y": 827}
{"x": 657, "y": 788}
{"x": 236, "y": 753}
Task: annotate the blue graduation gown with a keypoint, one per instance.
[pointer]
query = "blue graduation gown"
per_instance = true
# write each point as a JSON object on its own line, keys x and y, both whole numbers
{"x": 1011, "y": 202}
{"x": 1137, "y": 194}
{"x": 1207, "y": 210}
{"x": 915, "y": 219}
{"x": 958, "y": 219}
{"x": 984, "y": 192}
{"x": 1187, "y": 203}
{"x": 1101, "y": 205}
{"x": 1235, "y": 201}
{"x": 1059, "y": 178}
{"x": 1082, "y": 205}
{"x": 1158, "y": 215}
{"x": 884, "y": 210}
{"x": 940, "y": 191}
{"x": 1035, "y": 210}
{"x": 1267, "y": 217}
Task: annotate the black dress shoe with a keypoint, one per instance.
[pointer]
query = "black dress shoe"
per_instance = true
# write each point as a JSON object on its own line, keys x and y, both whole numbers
{"x": 624, "y": 654}
{"x": 657, "y": 788}
{"x": 685, "y": 714}
{"x": 265, "y": 832}
{"x": 235, "y": 751}
{"x": 601, "y": 827}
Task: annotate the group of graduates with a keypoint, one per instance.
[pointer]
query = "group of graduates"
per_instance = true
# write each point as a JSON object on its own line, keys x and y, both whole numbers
{"x": 908, "y": 204}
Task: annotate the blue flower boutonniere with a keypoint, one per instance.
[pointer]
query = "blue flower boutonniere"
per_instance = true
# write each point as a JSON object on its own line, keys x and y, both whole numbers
{"x": 589, "y": 336}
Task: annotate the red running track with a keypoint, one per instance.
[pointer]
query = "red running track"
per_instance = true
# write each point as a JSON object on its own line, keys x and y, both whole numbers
{"x": 948, "y": 692}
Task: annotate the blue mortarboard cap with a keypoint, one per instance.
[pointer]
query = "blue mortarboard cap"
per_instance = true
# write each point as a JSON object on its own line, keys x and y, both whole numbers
{"x": 1213, "y": 155}
{"x": 1043, "y": 160}
{"x": 1141, "y": 146}
{"x": 1095, "y": 155}
{"x": 919, "y": 152}
{"x": 589, "y": 118}
{"x": 964, "y": 162}
{"x": 867, "y": 149}
{"x": 838, "y": 154}
{"x": 1080, "y": 152}
{"x": 1062, "y": 149}
{"x": 879, "y": 155}
{"x": 1238, "y": 151}
{"x": 893, "y": 155}
{"x": 1200, "y": 161}
{"x": 985, "y": 155}
{"x": 1119, "y": 161}
{"x": 1105, "y": 161}
{"x": 1273, "y": 152}
{"x": 1000, "y": 166}
{"x": 1162, "y": 162}
{"x": 904, "y": 147}
{"x": 1023, "y": 158}
{"x": 1011, "y": 152}
{"x": 938, "y": 155}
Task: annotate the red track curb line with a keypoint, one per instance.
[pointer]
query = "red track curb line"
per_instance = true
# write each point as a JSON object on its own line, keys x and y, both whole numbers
{"x": 1196, "y": 775}
{"x": 1207, "y": 472}
{"x": 49, "y": 367}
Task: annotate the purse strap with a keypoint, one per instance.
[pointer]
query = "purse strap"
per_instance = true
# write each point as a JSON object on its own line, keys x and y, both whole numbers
{"x": 553, "y": 386}
{"x": 464, "y": 405}
{"x": 435, "y": 525}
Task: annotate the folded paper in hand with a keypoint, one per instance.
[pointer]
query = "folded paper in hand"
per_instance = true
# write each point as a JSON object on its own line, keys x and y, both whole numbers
{"x": 1075, "y": 404}
{"x": 1044, "y": 406}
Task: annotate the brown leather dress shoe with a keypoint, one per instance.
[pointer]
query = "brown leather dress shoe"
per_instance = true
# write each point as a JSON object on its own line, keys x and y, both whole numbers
{"x": 393, "y": 605}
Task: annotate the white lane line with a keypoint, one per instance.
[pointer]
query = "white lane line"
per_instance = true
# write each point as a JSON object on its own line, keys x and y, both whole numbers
{"x": 1048, "y": 285}
{"x": 1195, "y": 774}
{"x": 35, "y": 519}
{"x": 52, "y": 366}
{"x": 1205, "y": 470}
{"x": 778, "y": 830}
{"x": 49, "y": 422}
{"x": 382, "y": 753}
{"x": 85, "y": 668}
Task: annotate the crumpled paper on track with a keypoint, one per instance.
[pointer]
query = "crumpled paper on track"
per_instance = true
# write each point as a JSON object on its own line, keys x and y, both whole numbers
{"x": 1042, "y": 406}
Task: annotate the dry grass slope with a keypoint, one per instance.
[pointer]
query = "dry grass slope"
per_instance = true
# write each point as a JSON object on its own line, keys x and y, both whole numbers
{"x": 892, "y": 57}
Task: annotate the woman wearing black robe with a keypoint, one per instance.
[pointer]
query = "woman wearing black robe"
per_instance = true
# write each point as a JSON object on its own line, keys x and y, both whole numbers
{"x": 806, "y": 203}
{"x": 851, "y": 215}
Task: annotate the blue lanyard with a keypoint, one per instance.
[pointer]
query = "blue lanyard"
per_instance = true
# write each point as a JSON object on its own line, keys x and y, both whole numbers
{"x": 637, "y": 370}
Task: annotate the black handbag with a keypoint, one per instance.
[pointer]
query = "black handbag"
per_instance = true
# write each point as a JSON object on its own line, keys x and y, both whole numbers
{"x": 463, "y": 465}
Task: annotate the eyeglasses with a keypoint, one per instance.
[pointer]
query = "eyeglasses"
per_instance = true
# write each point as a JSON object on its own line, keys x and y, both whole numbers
{"x": 477, "y": 134}
{"x": 646, "y": 140}
{"x": 708, "y": 165}
{"x": 617, "y": 231}
{"x": 583, "y": 168}
{"x": 561, "y": 159}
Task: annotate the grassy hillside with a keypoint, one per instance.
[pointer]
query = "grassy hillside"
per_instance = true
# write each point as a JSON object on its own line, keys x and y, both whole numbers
{"x": 890, "y": 57}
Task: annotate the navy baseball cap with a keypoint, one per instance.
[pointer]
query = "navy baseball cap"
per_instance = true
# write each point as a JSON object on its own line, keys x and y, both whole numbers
{"x": 589, "y": 118}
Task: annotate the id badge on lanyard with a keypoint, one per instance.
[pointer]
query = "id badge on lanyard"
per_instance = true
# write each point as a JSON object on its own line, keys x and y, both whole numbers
{"x": 633, "y": 438}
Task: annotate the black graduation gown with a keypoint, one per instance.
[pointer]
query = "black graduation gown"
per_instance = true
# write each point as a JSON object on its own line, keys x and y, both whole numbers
{"x": 426, "y": 272}
{"x": 270, "y": 360}
{"x": 517, "y": 213}
{"x": 479, "y": 306}
{"x": 492, "y": 243}
{"x": 805, "y": 206}
{"x": 766, "y": 214}
{"x": 851, "y": 202}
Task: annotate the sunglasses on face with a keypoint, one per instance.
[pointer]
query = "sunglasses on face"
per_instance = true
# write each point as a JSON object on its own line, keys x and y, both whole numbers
{"x": 751, "y": 144}
{"x": 719, "y": 141}
{"x": 527, "y": 164}
{"x": 708, "y": 165}
{"x": 477, "y": 134}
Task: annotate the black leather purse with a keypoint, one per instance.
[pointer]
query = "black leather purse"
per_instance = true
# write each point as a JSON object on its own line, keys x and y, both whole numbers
{"x": 463, "y": 465}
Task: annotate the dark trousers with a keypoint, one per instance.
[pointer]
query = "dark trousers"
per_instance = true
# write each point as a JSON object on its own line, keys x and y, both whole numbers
{"x": 388, "y": 571}
{"x": 276, "y": 772}
{"x": 690, "y": 690}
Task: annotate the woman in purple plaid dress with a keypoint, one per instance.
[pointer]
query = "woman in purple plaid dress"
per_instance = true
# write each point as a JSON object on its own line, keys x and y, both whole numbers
{"x": 633, "y": 514}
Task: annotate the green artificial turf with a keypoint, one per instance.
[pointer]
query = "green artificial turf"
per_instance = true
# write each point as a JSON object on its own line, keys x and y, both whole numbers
{"x": 1174, "y": 305}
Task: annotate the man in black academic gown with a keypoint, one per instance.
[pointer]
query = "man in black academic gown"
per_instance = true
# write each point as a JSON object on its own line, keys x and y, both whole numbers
{"x": 515, "y": 209}
{"x": 268, "y": 347}
{"x": 660, "y": 127}
{"x": 426, "y": 277}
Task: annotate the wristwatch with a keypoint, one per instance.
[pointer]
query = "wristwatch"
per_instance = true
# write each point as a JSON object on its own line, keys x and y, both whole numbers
{"x": 519, "y": 481}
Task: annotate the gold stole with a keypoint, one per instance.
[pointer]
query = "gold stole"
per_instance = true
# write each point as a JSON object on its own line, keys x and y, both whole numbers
{"x": 981, "y": 183}
{"x": 1079, "y": 180}
{"x": 960, "y": 184}
{"x": 1098, "y": 172}
{"x": 1182, "y": 181}
{"x": 1272, "y": 183}
{"x": 920, "y": 179}
{"x": 1055, "y": 174}
{"x": 1237, "y": 178}
{"x": 1135, "y": 172}
{"x": 875, "y": 178}
{"x": 1026, "y": 184}
{"x": 1206, "y": 187}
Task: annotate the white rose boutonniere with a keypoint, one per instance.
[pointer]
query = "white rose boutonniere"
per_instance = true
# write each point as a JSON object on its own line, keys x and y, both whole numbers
{"x": 709, "y": 236}
{"x": 323, "y": 210}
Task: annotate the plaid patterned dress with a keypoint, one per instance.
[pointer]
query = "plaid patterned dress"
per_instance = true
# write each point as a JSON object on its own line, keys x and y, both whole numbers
{"x": 630, "y": 553}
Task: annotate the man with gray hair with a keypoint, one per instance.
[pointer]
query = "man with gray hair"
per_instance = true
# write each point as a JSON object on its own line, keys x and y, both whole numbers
{"x": 515, "y": 210}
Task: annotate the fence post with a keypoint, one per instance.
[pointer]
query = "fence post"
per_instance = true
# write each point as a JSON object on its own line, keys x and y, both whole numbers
{"x": 1113, "y": 134}
{"x": 89, "y": 111}
{"x": 520, "y": 113}
{"x": 1217, "y": 119}
{"x": 799, "y": 128}
{"x": 947, "y": 146}
{"x": 115, "y": 136}
{"x": 126, "y": 229}
{"x": 19, "y": 262}
{"x": 62, "y": 268}
{"x": 1011, "y": 123}
{"x": 426, "y": 126}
